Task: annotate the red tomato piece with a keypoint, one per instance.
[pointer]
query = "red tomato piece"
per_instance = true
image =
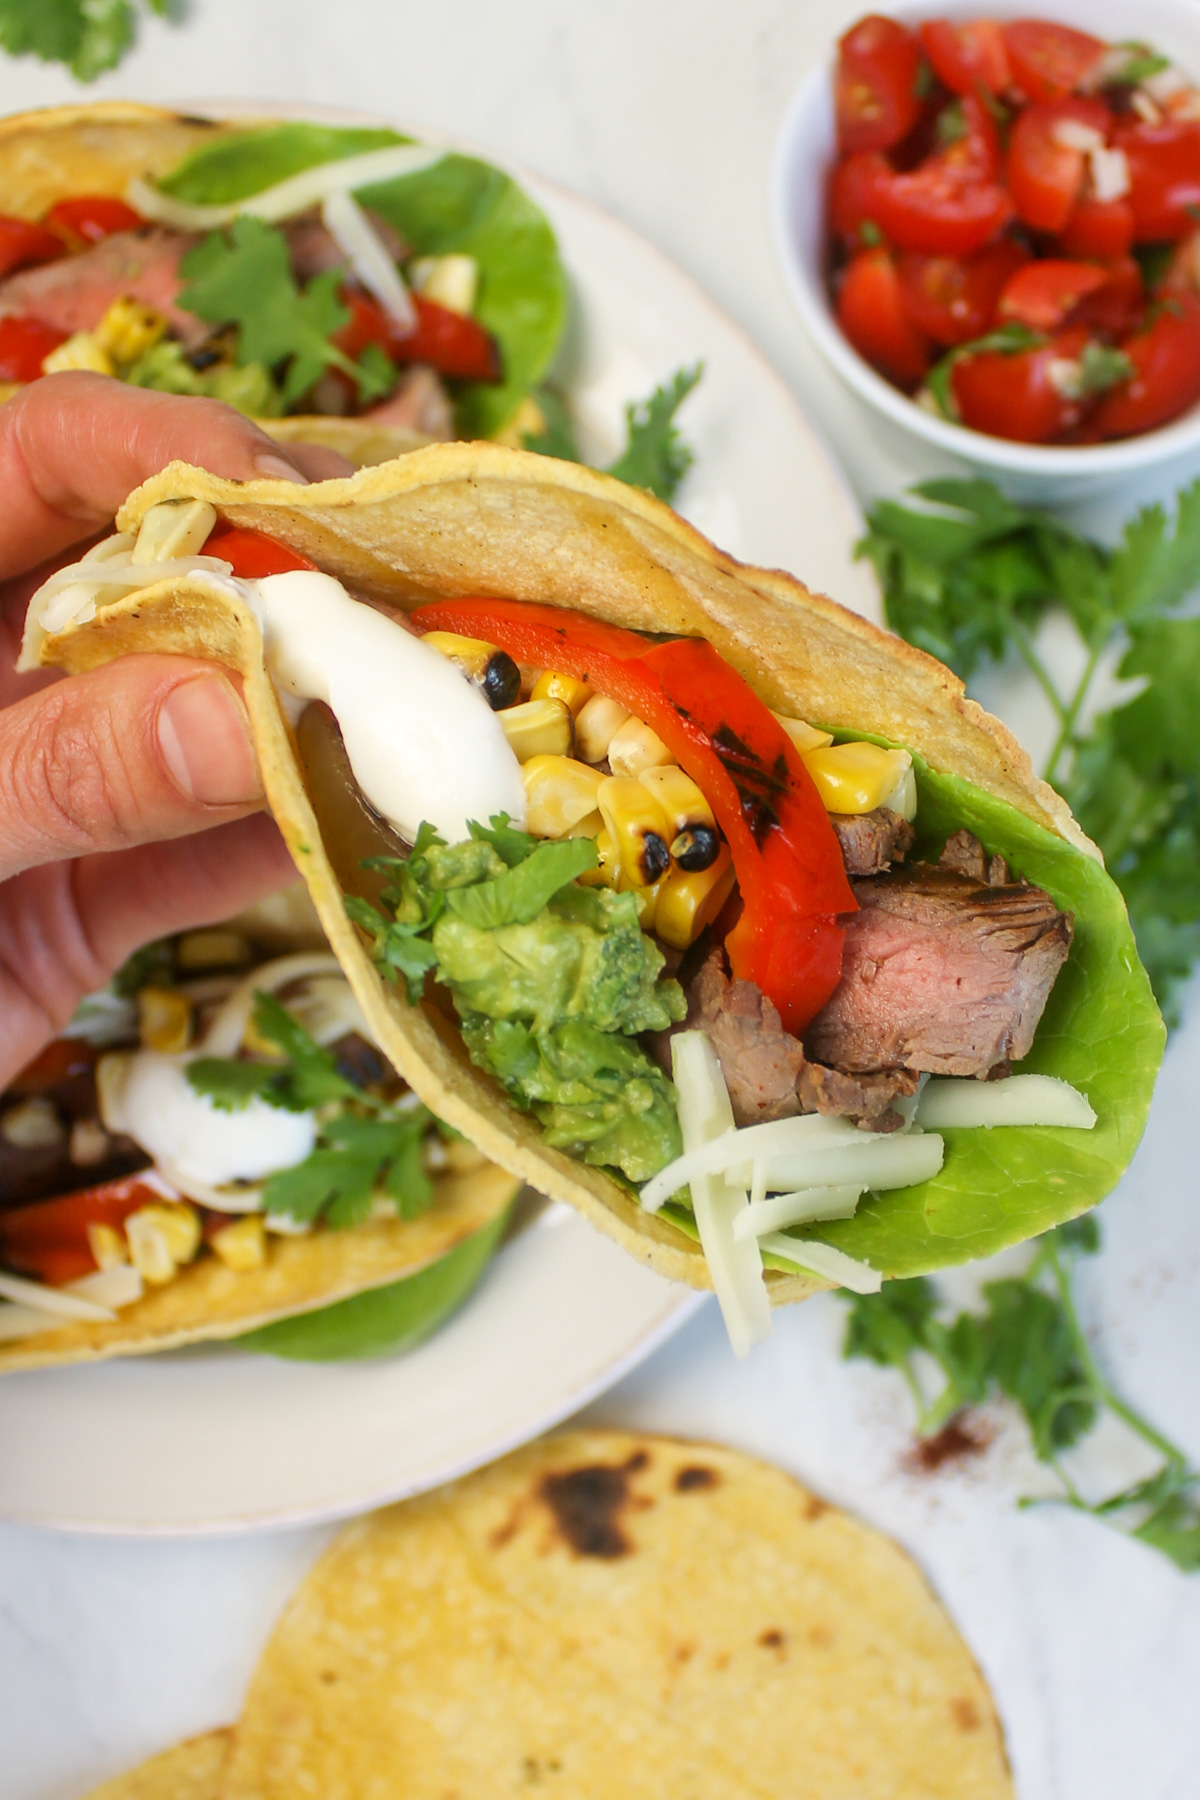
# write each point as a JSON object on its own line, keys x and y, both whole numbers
{"x": 1099, "y": 229}
{"x": 91, "y": 217}
{"x": 1164, "y": 177}
{"x": 1116, "y": 308}
{"x": 871, "y": 312}
{"x": 953, "y": 299}
{"x": 976, "y": 155}
{"x": 48, "y": 1240}
{"x": 1049, "y": 61}
{"x": 367, "y": 324}
{"x": 854, "y": 189}
{"x": 454, "y": 343}
{"x": 22, "y": 244}
{"x": 934, "y": 210}
{"x": 24, "y": 346}
{"x": 1043, "y": 294}
{"x": 1016, "y": 396}
{"x": 1045, "y": 175}
{"x": 875, "y": 84}
{"x": 1166, "y": 377}
{"x": 967, "y": 54}
{"x": 252, "y": 553}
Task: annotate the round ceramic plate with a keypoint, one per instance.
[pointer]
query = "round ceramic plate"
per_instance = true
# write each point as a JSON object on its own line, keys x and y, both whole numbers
{"x": 219, "y": 1440}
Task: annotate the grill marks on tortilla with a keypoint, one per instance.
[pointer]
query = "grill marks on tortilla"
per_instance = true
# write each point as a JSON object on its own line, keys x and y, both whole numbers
{"x": 587, "y": 1504}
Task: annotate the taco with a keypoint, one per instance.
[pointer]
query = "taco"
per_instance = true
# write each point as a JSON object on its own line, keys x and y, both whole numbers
{"x": 344, "y": 285}
{"x": 216, "y": 1148}
{"x": 625, "y": 786}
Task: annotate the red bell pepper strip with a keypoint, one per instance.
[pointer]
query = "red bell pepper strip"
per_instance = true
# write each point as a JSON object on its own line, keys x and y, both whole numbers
{"x": 89, "y": 218}
{"x": 25, "y": 343}
{"x": 252, "y": 553}
{"x": 48, "y": 1240}
{"x": 789, "y": 866}
{"x": 22, "y": 243}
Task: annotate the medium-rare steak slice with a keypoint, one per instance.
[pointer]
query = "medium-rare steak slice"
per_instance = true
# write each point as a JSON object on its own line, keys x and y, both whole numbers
{"x": 75, "y": 293}
{"x": 871, "y": 841}
{"x": 941, "y": 973}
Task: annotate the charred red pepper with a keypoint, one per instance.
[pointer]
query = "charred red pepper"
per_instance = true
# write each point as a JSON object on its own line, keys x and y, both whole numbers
{"x": 89, "y": 218}
{"x": 22, "y": 243}
{"x": 24, "y": 345}
{"x": 791, "y": 876}
{"x": 49, "y": 1240}
{"x": 453, "y": 343}
{"x": 252, "y": 553}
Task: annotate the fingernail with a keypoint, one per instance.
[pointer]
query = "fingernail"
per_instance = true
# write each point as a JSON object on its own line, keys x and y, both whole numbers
{"x": 204, "y": 738}
{"x": 278, "y": 469}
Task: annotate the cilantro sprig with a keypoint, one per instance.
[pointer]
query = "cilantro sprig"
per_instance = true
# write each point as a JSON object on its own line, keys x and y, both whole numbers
{"x": 365, "y": 1148}
{"x": 1028, "y": 1345}
{"x": 655, "y": 454}
{"x": 88, "y": 36}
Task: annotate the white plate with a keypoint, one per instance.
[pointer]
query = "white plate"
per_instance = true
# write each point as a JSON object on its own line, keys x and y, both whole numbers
{"x": 218, "y": 1440}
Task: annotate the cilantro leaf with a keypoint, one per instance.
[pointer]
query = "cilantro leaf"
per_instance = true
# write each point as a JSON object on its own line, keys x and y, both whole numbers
{"x": 89, "y": 36}
{"x": 518, "y": 896}
{"x": 308, "y": 1078}
{"x": 231, "y": 1085}
{"x": 656, "y": 456}
{"x": 511, "y": 846}
{"x": 356, "y": 1158}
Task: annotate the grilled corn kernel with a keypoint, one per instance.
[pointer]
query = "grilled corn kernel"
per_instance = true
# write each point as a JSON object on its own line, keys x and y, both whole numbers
{"x": 241, "y": 1245}
{"x": 32, "y": 1124}
{"x": 607, "y": 872}
{"x": 679, "y": 797}
{"x": 855, "y": 778}
{"x": 128, "y": 329}
{"x": 83, "y": 351}
{"x": 558, "y": 793}
{"x": 634, "y": 747}
{"x": 538, "y": 728}
{"x": 174, "y": 528}
{"x": 805, "y": 737}
{"x": 647, "y": 904}
{"x": 164, "y": 1020}
{"x": 599, "y": 719}
{"x": 161, "y": 1239}
{"x": 489, "y": 668}
{"x": 88, "y": 1143}
{"x": 551, "y": 685}
{"x": 590, "y": 826}
{"x": 639, "y": 827}
{"x": 528, "y": 421}
{"x": 689, "y": 902}
{"x": 451, "y": 280}
{"x": 219, "y": 948}
{"x": 107, "y": 1246}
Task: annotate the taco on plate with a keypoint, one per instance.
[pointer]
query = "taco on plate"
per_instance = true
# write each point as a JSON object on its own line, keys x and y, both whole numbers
{"x": 217, "y": 1148}
{"x": 693, "y": 899}
{"x": 343, "y": 284}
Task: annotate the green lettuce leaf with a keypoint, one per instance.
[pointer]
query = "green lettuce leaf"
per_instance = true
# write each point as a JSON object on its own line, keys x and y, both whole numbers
{"x": 237, "y": 165}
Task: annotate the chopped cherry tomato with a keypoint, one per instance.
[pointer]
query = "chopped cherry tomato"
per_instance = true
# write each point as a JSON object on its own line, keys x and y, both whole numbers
{"x": 875, "y": 86}
{"x": 48, "y": 1240}
{"x": 1050, "y": 61}
{"x": 975, "y": 156}
{"x": 934, "y": 210}
{"x": 1045, "y": 175}
{"x": 1017, "y": 396}
{"x": 367, "y": 324}
{"x": 1043, "y": 294}
{"x": 452, "y": 342}
{"x": 91, "y": 217}
{"x": 1166, "y": 378}
{"x": 790, "y": 872}
{"x": 854, "y": 189}
{"x": 252, "y": 553}
{"x": 967, "y": 54}
{"x": 24, "y": 346}
{"x": 1100, "y": 229}
{"x": 22, "y": 244}
{"x": 1164, "y": 177}
{"x": 871, "y": 312}
{"x": 953, "y": 299}
{"x": 1116, "y": 308}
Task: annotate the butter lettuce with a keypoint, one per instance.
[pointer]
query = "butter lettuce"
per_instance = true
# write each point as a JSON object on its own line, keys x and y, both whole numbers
{"x": 458, "y": 204}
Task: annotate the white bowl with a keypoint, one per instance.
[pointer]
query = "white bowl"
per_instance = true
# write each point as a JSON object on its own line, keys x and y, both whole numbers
{"x": 805, "y": 153}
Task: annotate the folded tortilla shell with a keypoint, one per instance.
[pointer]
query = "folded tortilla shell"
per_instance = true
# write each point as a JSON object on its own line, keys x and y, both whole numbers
{"x": 607, "y": 1613}
{"x": 476, "y": 519}
{"x": 193, "y": 1770}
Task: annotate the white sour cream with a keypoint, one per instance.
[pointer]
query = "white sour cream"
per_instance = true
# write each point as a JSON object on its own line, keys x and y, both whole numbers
{"x": 422, "y": 741}
{"x": 182, "y": 1130}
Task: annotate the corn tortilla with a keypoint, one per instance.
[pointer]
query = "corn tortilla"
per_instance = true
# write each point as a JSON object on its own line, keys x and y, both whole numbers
{"x": 608, "y": 1613}
{"x": 192, "y": 1770}
{"x": 478, "y": 519}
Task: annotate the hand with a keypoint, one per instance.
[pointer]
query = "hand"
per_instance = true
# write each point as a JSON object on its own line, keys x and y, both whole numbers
{"x": 130, "y": 797}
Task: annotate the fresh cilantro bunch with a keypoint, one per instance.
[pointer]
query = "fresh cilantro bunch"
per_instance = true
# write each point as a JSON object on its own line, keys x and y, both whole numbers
{"x": 969, "y": 575}
{"x": 365, "y": 1146}
{"x": 89, "y": 36}
{"x": 655, "y": 456}
{"x": 1028, "y": 1345}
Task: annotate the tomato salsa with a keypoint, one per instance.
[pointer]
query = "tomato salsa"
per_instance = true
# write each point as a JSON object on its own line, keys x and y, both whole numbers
{"x": 1014, "y": 225}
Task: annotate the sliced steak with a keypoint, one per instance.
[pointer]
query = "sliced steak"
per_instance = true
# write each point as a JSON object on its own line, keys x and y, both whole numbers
{"x": 872, "y": 841}
{"x": 941, "y": 973}
{"x": 867, "y": 1098}
{"x": 965, "y": 854}
{"x": 75, "y": 293}
{"x": 313, "y": 251}
{"x": 420, "y": 403}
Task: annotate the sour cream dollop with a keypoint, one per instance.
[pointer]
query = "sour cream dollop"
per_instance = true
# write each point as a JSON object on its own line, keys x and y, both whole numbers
{"x": 157, "y": 1106}
{"x": 422, "y": 741}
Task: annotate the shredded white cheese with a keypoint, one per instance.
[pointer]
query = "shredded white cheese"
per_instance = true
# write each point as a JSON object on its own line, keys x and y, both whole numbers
{"x": 1019, "y": 1100}
{"x": 286, "y": 198}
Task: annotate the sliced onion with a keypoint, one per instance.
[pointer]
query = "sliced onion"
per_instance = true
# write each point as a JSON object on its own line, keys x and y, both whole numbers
{"x": 116, "y": 1287}
{"x": 367, "y": 254}
{"x": 295, "y": 195}
{"x": 224, "y": 1034}
{"x": 56, "y": 1301}
{"x": 824, "y": 1260}
{"x": 803, "y": 1207}
{"x": 1019, "y": 1100}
